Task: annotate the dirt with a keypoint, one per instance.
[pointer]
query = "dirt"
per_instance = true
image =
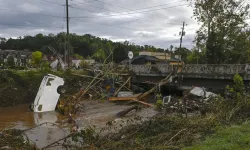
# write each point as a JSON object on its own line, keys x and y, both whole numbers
{"x": 18, "y": 88}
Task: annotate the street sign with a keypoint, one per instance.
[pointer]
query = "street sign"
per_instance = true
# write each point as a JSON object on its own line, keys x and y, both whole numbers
{"x": 130, "y": 55}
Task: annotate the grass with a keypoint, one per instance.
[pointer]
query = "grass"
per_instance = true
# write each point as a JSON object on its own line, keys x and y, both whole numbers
{"x": 231, "y": 138}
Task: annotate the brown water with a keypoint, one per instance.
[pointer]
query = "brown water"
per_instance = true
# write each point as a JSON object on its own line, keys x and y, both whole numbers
{"x": 95, "y": 114}
{"x": 20, "y": 117}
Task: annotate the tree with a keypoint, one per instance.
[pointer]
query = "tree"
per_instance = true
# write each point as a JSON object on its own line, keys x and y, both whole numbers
{"x": 77, "y": 56}
{"x": 184, "y": 52}
{"x": 99, "y": 55}
{"x": 222, "y": 31}
{"x": 36, "y": 57}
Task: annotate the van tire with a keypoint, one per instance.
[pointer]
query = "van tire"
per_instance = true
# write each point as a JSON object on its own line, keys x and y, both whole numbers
{"x": 61, "y": 90}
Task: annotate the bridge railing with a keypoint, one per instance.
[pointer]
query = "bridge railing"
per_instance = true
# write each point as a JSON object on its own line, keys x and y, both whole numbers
{"x": 214, "y": 69}
{"x": 222, "y": 69}
{"x": 190, "y": 68}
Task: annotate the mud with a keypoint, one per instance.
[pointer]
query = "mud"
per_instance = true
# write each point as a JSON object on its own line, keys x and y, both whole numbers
{"x": 95, "y": 114}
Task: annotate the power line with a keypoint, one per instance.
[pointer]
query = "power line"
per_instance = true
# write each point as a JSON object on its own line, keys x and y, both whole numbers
{"x": 115, "y": 25}
{"x": 52, "y": 2}
{"x": 131, "y": 10}
{"x": 116, "y": 15}
{"x": 19, "y": 25}
{"x": 127, "y": 13}
{"x": 84, "y": 2}
{"x": 30, "y": 12}
{"x": 113, "y": 4}
{"x": 112, "y": 25}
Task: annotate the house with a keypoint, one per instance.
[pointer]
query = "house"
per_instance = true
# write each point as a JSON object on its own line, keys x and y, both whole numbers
{"x": 159, "y": 55}
{"x": 173, "y": 60}
{"x": 143, "y": 60}
{"x": 20, "y": 57}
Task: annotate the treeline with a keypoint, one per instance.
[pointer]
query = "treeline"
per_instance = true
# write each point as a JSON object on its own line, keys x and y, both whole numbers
{"x": 85, "y": 45}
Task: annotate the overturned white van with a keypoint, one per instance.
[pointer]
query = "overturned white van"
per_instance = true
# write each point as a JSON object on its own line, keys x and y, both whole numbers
{"x": 48, "y": 94}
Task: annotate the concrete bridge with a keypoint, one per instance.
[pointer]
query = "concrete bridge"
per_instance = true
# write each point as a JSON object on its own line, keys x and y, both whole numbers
{"x": 215, "y": 76}
{"x": 206, "y": 75}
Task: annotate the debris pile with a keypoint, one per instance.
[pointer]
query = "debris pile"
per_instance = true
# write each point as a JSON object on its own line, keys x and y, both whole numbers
{"x": 14, "y": 139}
{"x": 193, "y": 100}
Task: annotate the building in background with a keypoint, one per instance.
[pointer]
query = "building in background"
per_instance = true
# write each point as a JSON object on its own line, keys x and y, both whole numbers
{"x": 172, "y": 60}
{"x": 143, "y": 60}
{"x": 19, "y": 57}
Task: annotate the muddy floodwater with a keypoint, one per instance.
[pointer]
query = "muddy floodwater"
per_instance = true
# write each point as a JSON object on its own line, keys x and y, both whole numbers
{"x": 95, "y": 114}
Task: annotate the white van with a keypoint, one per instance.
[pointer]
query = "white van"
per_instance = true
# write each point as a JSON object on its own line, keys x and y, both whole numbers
{"x": 48, "y": 93}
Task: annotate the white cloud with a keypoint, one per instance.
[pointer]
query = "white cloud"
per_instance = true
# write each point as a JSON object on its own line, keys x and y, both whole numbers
{"x": 29, "y": 8}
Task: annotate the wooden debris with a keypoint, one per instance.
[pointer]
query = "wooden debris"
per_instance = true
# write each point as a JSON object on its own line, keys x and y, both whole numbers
{"x": 122, "y": 86}
{"x": 162, "y": 82}
{"x": 126, "y": 111}
{"x": 135, "y": 98}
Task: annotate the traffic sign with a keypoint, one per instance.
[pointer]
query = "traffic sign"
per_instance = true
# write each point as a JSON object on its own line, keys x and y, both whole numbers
{"x": 130, "y": 55}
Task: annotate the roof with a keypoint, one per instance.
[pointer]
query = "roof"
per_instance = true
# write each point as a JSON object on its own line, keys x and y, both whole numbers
{"x": 149, "y": 58}
{"x": 22, "y": 52}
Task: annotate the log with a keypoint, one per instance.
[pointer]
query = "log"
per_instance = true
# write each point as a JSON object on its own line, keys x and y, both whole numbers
{"x": 123, "y": 98}
{"x": 162, "y": 82}
{"x": 135, "y": 99}
{"x": 126, "y": 111}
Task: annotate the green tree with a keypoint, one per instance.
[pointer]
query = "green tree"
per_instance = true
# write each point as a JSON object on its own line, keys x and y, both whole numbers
{"x": 77, "y": 56}
{"x": 36, "y": 57}
{"x": 99, "y": 55}
{"x": 222, "y": 31}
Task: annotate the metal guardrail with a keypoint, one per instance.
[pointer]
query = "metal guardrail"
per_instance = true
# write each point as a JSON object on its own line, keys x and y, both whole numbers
{"x": 191, "y": 69}
{"x": 223, "y": 69}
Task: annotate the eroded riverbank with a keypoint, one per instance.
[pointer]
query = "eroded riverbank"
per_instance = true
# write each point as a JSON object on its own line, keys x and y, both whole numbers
{"x": 95, "y": 114}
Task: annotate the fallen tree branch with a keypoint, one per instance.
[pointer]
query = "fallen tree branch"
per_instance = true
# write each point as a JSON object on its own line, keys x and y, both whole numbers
{"x": 86, "y": 76}
{"x": 174, "y": 136}
{"x": 56, "y": 142}
{"x": 43, "y": 124}
{"x": 162, "y": 82}
{"x": 122, "y": 86}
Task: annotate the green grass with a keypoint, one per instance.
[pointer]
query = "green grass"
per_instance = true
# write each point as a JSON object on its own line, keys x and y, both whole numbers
{"x": 231, "y": 138}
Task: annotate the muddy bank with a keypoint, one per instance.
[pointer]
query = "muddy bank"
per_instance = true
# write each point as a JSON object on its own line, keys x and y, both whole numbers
{"x": 20, "y": 87}
{"x": 101, "y": 116}
{"x": 13, "y": 139}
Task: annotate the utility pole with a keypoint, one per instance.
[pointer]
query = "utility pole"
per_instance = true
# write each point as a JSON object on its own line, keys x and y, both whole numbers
{"x": 67, "y": 37}
{"x": 182, "y": 33}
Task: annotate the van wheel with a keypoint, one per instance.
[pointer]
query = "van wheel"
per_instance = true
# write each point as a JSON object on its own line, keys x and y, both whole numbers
{"x": 61, "y": 90}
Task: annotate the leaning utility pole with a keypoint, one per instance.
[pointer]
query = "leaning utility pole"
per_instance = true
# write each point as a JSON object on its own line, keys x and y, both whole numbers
{"x": 182, "y": 33}
{"x": 67, "y": 38}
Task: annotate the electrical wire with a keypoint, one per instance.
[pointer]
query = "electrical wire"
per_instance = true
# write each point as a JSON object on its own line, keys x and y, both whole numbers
{"x": 19, "y": 25}
{"x": 128, "y": 13}
{"x": 116, "y": 26}
{"x": 52, "y": 2}
{"x": 127, "y": 9}
{"x": 30, "y": 12}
